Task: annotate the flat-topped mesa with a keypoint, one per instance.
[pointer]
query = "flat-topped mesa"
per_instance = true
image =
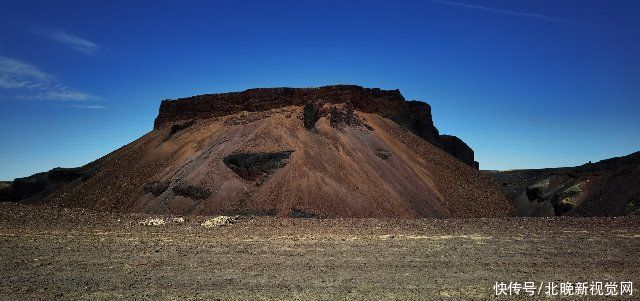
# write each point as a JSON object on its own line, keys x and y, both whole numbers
{"x": 387, "y": 103}
{"x": 412, "y": 115}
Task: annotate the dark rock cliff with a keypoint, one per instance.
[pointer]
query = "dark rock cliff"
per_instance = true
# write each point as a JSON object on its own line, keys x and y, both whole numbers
{"x": 423, "y": 127}
{"x": 423, "y": 122}
{"x": 457, "y": 148}
{"x": 413, "y": 115}
{"x": 387, "y": 103}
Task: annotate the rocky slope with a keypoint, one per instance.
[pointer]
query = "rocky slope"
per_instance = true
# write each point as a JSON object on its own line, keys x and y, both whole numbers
{"x": 607, "y": 188}
{"x": 338, "y": 151}
{"x": 413, "y": 115}
{"x": 33, "y": 188}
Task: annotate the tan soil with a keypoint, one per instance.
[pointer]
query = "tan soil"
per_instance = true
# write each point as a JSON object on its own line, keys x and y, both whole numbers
{"x": 64, "y": 254}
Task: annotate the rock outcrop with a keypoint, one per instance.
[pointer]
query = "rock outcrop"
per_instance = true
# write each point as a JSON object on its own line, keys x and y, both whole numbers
{"x": 457, "y": 148}
{"x": 251, "y": 166}
{"x": 412, "y": 115}
{"x": 193, "y": 192}
{"x": 155, "y": 188}
{"x": 423, "y": 127}
{"x": 607, "y": 188}
{"x": 311, "y": 115}
{"x": 422, "y": 121}
{"x": 179, "y": 127}
{"x": 387, "y": 103}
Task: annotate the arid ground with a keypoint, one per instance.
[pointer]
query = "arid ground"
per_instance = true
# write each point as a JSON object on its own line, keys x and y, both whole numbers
{"x": 74, "y": 254}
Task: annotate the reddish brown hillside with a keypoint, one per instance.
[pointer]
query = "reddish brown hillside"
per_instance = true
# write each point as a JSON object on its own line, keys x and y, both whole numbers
{"x": 350, "y": 153}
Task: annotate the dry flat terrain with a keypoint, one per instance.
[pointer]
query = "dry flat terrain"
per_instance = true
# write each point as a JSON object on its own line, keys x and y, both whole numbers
{"x": 74, "y": 254}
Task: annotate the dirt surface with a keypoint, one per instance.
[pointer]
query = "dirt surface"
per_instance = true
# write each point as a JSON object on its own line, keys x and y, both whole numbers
{"x": 74, "y": 254}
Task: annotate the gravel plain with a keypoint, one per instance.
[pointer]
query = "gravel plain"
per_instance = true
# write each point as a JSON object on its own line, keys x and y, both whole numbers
{"x": 49, "y": 253}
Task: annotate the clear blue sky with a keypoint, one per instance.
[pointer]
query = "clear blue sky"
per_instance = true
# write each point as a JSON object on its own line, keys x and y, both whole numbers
{"x": 527, "y": 84}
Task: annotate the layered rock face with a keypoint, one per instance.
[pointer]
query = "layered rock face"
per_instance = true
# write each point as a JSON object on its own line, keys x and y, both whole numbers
{"x": 387, "y": 103}
{"x": 413, "y": 115}
{"x": 423, "y": 127}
